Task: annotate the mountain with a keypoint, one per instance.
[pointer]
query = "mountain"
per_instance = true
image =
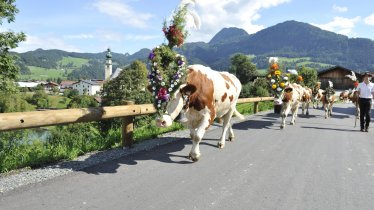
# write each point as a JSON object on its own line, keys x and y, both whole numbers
{"x": 288, "y": 39}
{"x": 291, "y": 39}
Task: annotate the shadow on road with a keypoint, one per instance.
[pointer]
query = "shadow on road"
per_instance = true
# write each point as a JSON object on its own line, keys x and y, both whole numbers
{"x": 255, "y": 124}
{"x": 335, "y": 129}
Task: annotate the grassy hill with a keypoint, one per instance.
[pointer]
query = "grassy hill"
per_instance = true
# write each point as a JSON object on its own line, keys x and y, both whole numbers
{"x": 64, "y": 67}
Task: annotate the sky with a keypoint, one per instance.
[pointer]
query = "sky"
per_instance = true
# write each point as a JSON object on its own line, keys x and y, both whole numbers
{"x": 126, "y": 26}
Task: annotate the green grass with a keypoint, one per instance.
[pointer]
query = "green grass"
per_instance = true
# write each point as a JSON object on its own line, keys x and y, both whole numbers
{"x": 59, "y": 102}
{"x": 38, "y": 73}
{"x": 77, "y": 62}
{"x": 248, "y": 108}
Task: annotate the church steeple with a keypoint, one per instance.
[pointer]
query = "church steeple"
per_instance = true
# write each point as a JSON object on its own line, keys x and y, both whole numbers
{"x": 108, "y": 64}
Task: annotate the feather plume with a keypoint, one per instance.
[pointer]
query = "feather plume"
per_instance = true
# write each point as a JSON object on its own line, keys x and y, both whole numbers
{"x": 192, "y": 18}
{"x": 352, "y": 76}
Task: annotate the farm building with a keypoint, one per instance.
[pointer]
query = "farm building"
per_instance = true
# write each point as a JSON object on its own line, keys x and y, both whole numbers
{"x": 336, "y": 75}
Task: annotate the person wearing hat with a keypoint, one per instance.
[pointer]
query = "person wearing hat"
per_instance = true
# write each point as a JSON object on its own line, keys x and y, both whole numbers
{"x": 366, "y": 93}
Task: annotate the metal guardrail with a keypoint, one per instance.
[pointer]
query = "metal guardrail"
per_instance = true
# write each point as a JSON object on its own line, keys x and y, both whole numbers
{"x": 35, "y": 119}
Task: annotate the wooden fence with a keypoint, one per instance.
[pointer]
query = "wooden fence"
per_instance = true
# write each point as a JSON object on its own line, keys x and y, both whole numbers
{"x": 35, "y": 119}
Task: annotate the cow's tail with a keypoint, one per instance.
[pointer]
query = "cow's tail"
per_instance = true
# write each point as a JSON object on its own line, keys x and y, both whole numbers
{"x": 240, "y": 116}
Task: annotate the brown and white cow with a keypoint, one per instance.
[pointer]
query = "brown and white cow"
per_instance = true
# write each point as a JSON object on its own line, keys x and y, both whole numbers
{"x": 207, "y": 95}
{"x": 354, "y": 97}
{"x": 316, "y": 94}
{"x": 344, "y": 96}
{"x": 291, "y": 99}
{"x": 306, "y": 99}
{"x": 328, "y": 100}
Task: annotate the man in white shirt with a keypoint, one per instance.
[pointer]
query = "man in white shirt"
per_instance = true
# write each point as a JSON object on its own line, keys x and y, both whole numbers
{"x": 366, "y": 93}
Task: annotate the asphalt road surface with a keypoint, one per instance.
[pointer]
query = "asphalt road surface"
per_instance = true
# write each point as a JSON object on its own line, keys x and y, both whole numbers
{"x": 316, "y": 164}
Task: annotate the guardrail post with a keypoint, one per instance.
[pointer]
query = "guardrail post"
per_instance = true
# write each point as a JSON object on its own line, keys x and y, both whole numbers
{"x": 127, "y": 128}
{"x": 255, "y": 107}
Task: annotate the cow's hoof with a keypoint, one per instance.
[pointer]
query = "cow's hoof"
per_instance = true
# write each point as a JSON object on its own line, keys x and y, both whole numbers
{"x": 292, "y": 123}
{"x": 231, "y": 138}
{"x": 194, "y": 159}
{"x": 220, "y": 145}
{"x": 282, "y": 126}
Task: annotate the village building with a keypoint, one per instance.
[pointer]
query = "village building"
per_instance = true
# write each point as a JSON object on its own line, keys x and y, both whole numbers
{"x": 337, "y": 75}
{"x": 50, "y": 85}
{"x": 88, "y": 87}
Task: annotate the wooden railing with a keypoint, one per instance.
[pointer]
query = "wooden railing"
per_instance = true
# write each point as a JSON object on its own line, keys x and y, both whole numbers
{"x": 35, "y": 119}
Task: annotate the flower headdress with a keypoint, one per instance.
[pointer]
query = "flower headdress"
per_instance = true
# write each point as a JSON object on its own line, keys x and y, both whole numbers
{"x": 168, "y": 69}
{"x": 277, "y": 80}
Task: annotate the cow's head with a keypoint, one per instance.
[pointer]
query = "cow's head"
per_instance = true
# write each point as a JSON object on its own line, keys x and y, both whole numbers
{"x": 178, "y": 103}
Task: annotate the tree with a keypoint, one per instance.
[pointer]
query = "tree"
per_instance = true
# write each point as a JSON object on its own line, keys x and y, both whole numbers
{"x": 310, "y": 76}
{"x": 83, "y": 101}
{"x": 243, "y": 68}
{"x": 129, "y": 85}
{"x": 40, "y": 99}
{"x": 8, "y": 40}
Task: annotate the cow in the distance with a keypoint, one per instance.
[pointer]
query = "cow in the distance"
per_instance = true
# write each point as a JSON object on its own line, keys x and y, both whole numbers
{"x": 291, "y": 99}
{"x": 206, "y": 95}
{"x": 354, "y": 97}
{"x": 328, "y": 100}
{"x": 306, "y": 99}
{"x": 344, "y": 96}
{"x": 316, "y": 95}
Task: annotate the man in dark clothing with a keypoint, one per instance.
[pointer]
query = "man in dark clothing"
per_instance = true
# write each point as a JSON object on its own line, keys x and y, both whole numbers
{"x": 366, "y": 92}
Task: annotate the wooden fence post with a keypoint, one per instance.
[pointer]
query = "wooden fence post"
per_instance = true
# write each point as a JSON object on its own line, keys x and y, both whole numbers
{"x": 127, "y": 128}
{"x": 255, "y": 107}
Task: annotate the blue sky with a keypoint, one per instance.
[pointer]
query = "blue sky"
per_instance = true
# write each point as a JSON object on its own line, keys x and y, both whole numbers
{"x": 127, "y": 26}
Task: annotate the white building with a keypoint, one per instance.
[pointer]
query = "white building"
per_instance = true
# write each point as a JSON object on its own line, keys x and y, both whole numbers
{"x": 87, "y": 87}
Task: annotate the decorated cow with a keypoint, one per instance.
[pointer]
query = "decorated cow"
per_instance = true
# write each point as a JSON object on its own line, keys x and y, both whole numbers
{"x": 206, "y": 95}
{"x": 306, "y": 99}
{"x": 197, "y": 93}
{"x": 291, "y": 98}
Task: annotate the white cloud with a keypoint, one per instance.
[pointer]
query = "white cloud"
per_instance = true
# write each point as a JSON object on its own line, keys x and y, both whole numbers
{"x": 369, "y": 20}
{"x": 215, "y": 15}
{"x": 34, "y": 42}
{"x": 142, "y": 37}
{"x": 340, "y": 25}
{"x": 339, "y": 8}
{"x": 123, "y": 13}
{"x": 79, "y": 36}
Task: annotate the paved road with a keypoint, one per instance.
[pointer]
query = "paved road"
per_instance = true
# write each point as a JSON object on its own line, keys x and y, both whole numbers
{"x": 316, "y": 164}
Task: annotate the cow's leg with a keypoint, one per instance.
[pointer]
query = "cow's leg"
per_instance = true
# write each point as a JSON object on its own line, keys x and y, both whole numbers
{"x": 226, "y": 125}
{"x": 196, "y": 136}
{"x": 231, "y": 133}
{"x": 294, "y": 110}
{"x": 307, "y": 108}
{"x": 303, "y": 105}
{"x": 330, "y": 109}
{"x": 325, "y": 107}
{"x": 285, "y": 110}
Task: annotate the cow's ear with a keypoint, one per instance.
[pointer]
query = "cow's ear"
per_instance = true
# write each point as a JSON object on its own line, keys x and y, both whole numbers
{"x": 188, "y": 89}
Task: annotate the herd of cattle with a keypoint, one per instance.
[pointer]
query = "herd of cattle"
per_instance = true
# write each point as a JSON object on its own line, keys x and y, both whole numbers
{"x": 208, "y": 94}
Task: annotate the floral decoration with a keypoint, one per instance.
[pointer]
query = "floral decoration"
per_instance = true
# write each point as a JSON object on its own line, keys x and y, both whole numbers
{"x": 168, "y": 71}
{"x": 175, "y": 31}
{"x": 168, "y": 68}
{"x": 277, "y": 80}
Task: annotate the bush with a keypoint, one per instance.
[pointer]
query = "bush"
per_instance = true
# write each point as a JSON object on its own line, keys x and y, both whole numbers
{"x": 13, "y": 103}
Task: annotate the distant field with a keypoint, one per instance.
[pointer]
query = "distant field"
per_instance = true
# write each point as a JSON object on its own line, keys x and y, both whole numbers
{"x": 66, "y": 65}
{"x": 38, "y": 73}
{"x": 77, "y": 62}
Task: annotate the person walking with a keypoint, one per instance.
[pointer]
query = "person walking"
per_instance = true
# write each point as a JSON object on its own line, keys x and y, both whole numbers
{"x": 366, "y": 93}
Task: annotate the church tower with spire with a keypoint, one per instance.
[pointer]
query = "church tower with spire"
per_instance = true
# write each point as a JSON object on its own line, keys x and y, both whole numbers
{"x": 108, "y": 64}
